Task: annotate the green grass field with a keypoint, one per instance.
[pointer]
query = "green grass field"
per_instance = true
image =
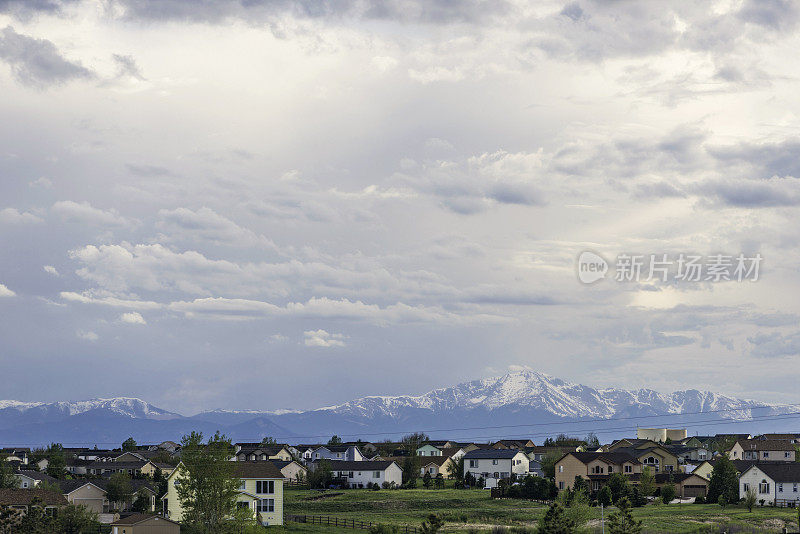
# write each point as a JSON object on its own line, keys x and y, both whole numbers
{"x": 468, "y": 510}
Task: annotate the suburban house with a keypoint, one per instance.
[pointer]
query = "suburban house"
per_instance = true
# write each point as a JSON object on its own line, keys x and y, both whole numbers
{"x": 31, "y": 479}
{"x": 513, "y": 444}
{"x": 253, "y": 452}
{"x": 686, "y": 484}
{"x": 494, "y": 465}
{"x": 429, "y": 450}
{"x": 92, "y": 493}
{"x": 16, "y": 455}
{"x": 145, "y": 524}
{"x": 22, "y": 499}
{"x": 776, "y": 483}
{"x": 435, "y": 465}
{"x": 791, "y": 438}
{"x": 689, "y": 454}
{"x": 596, "y": 468}
{"x": 539, "y": 452}
{"x": 648, "y": 453}
{"x": 349, "y": 453}
{"x": 763, "y": 450}
{"x": 292, "y": 471}
{"x": 137, "y": 468}
{"x": 360, "y": 473}
{"x": 261, "y": 490}
{"x": 705, "y": 468}
{"x": 306, "y": 452}
{"x": 535, "y": 468}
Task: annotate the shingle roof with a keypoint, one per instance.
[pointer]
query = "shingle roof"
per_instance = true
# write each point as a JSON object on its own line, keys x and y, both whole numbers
{"x": 781, "y": 472}
{"x": 616, "y": 457}
{"x": 492, "y": 453}
{"x": 36, "y": 475}
{"x": 11, "y": 497}
{"x": 765, "y": 445}
{"x": 257, "y": 470}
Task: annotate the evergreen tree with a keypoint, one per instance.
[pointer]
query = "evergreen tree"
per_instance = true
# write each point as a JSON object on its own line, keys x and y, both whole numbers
{"x": 335, "y": 440}
{"x": 724, "y": 481}
{"x": 426, "y": 480}
{"x": 432, "y": 524}
{"x": 118, "y": 490}
{"x": 7, "y": 478}
{"x": 555, "y": 521}
{"x": 622, "y": 521}
{"x": 74, "y": 519}
{"x": 618, "y": 484}
{"x": 129, "y": 445}
{"x": 647, "y": 482}
{"x": 604, "y": 496}
{"x": 668, "y": 493}
{"x": 580, "y": 485}
{"x": 56, "y": 462}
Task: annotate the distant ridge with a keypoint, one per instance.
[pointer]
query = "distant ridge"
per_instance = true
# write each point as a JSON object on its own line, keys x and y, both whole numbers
{"x": 525, "y": 403}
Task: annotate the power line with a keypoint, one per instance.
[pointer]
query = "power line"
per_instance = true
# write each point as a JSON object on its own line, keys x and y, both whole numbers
{"x": 606, "y": 430}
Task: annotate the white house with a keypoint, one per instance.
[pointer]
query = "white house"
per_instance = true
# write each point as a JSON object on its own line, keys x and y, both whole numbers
{"x": 495, "y": 464}
{"x": 31, "y": 479}
{"x": 348, "y": 453}
{"x": 360, "y": 473}
{"x": 776, "y": 483}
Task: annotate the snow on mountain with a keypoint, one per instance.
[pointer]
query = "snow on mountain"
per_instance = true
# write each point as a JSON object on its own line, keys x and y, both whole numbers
{"x": 125, "y": 406}
{"x": 535, "y": 390}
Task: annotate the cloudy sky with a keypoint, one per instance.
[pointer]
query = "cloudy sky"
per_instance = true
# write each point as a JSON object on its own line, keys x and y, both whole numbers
{"x": 286, "y": 204}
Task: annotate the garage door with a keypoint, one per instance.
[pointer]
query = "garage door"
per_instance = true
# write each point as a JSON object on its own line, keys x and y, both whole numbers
{"x": 696, "y": 490}
{"x": 95, "y": 505}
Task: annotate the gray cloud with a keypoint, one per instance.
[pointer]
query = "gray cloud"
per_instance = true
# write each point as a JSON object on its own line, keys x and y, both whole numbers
{"x": 37, "y": 62}
{"x": 775, "y": 345}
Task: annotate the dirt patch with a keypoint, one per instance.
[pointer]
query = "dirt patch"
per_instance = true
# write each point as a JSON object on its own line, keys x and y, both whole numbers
{"x": 322, "y": 496}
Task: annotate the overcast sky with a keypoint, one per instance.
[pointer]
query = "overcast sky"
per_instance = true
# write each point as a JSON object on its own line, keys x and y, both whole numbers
{"x": 288, "y": 204}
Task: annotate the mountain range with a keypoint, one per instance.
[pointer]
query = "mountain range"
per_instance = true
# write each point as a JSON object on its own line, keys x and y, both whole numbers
{"x": 520, "y": 404}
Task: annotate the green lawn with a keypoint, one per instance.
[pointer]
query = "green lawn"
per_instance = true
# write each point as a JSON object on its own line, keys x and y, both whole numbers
{"x": 465, "y": 510}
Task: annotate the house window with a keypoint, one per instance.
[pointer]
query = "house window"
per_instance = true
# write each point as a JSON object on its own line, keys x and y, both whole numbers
{"x": 496, "y": 475}
{"x": 763, "y": 487}
{"x": 376, "y": 474}
{"x": 610, "y": 469}
{"x": 242, "y": 485}
{"x": 560, "y": 468}
{"x": 265, "y": 486}
{"x": 561, "y": 485}
{"x": 746, "y": 487}
{"x": 628, "y": 469}
{"x": 780, "y": 488}
{"x": 494, "y": 462}
{"x": 766, "y": 454}
{"x": 794, "y": 487}
{"x": 350, "y": 474}
{"x": 266, "y": 505}
{"x": 473, "y": 463}
{"x": 242, "y": 504}
{"x": 787, "y": 454}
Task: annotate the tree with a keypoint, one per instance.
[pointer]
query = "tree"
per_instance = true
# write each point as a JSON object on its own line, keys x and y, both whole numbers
{"x": 74, "y": 519}
{"x": 724, "y": 481}
{"x": 160, "y": 481}
{"x": 208, "y": 486}
{"x": 335, "y": 440}
{"x": 432, "y": 524}
{"x": 668, "y": 441}
{"x": 119, "y": 490}
{"x": 426, "y": 480}
{"x": 592, "y": 443}
{"x": 618, "y": 484}
{"x": 604, "y": 496}
{"x": 668, "y": 493}
{"x": 7, "y": 478}
{"x": 56, "y": 463}
{"x": 555, "y": 521}
{"x": 647, "y": 482}
{"x": 142, "y": 502}
{"x": 723, "y": 501}
{"x": 548, "y": 463}
{"x": 750, "y": 498}
{"x": 129, "y": 445}
{"x": 271, "y": 441}
{"x": 579, "y": 484}
{"x": 457, "y": 470}
{"x": 622, "y": 521}
{"x": 35, "y": 520}
{"x": 439, "y": 481}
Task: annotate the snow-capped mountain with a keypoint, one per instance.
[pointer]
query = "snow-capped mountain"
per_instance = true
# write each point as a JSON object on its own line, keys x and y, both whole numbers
{"x": 521, "y": 404}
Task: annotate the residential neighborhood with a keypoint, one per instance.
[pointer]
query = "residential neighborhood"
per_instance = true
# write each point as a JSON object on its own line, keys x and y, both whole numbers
{"x": 135, "y": 487}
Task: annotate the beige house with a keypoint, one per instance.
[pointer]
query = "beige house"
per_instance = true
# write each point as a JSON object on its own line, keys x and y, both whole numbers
{"x": 145, "y": 524}
{"x": 763, "y": 450}
{"x": 255, "y": 452}
{"x": 260, "y": 490}
{"x": 22, "y": 499}
{"x": 595, "y": 467}
{"x": 292, "y": 471}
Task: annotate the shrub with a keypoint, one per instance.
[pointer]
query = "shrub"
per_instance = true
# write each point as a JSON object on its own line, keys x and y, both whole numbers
{"x": 699, "y": 500}
{"x": 386, "y": 484}
{"x": 384, "y": 529}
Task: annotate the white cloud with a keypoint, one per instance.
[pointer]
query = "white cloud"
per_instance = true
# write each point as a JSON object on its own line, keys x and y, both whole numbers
{"x": 322, "y": 339}
{"x": 88, "y": 335}
{"x": 14, "y": 216}
{"x": 107, "y": 300}
{"x": 83, "y": 212}
{"x": 41, "y": 182}
{"x": 132, "y": 318}
{"x": 205, "y": 224}
{"x": 49, "y": 269}
{"x": 5, "y": 292}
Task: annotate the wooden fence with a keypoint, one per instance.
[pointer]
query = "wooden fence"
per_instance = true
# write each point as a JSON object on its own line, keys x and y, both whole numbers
{"x": 345, "y": 523}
